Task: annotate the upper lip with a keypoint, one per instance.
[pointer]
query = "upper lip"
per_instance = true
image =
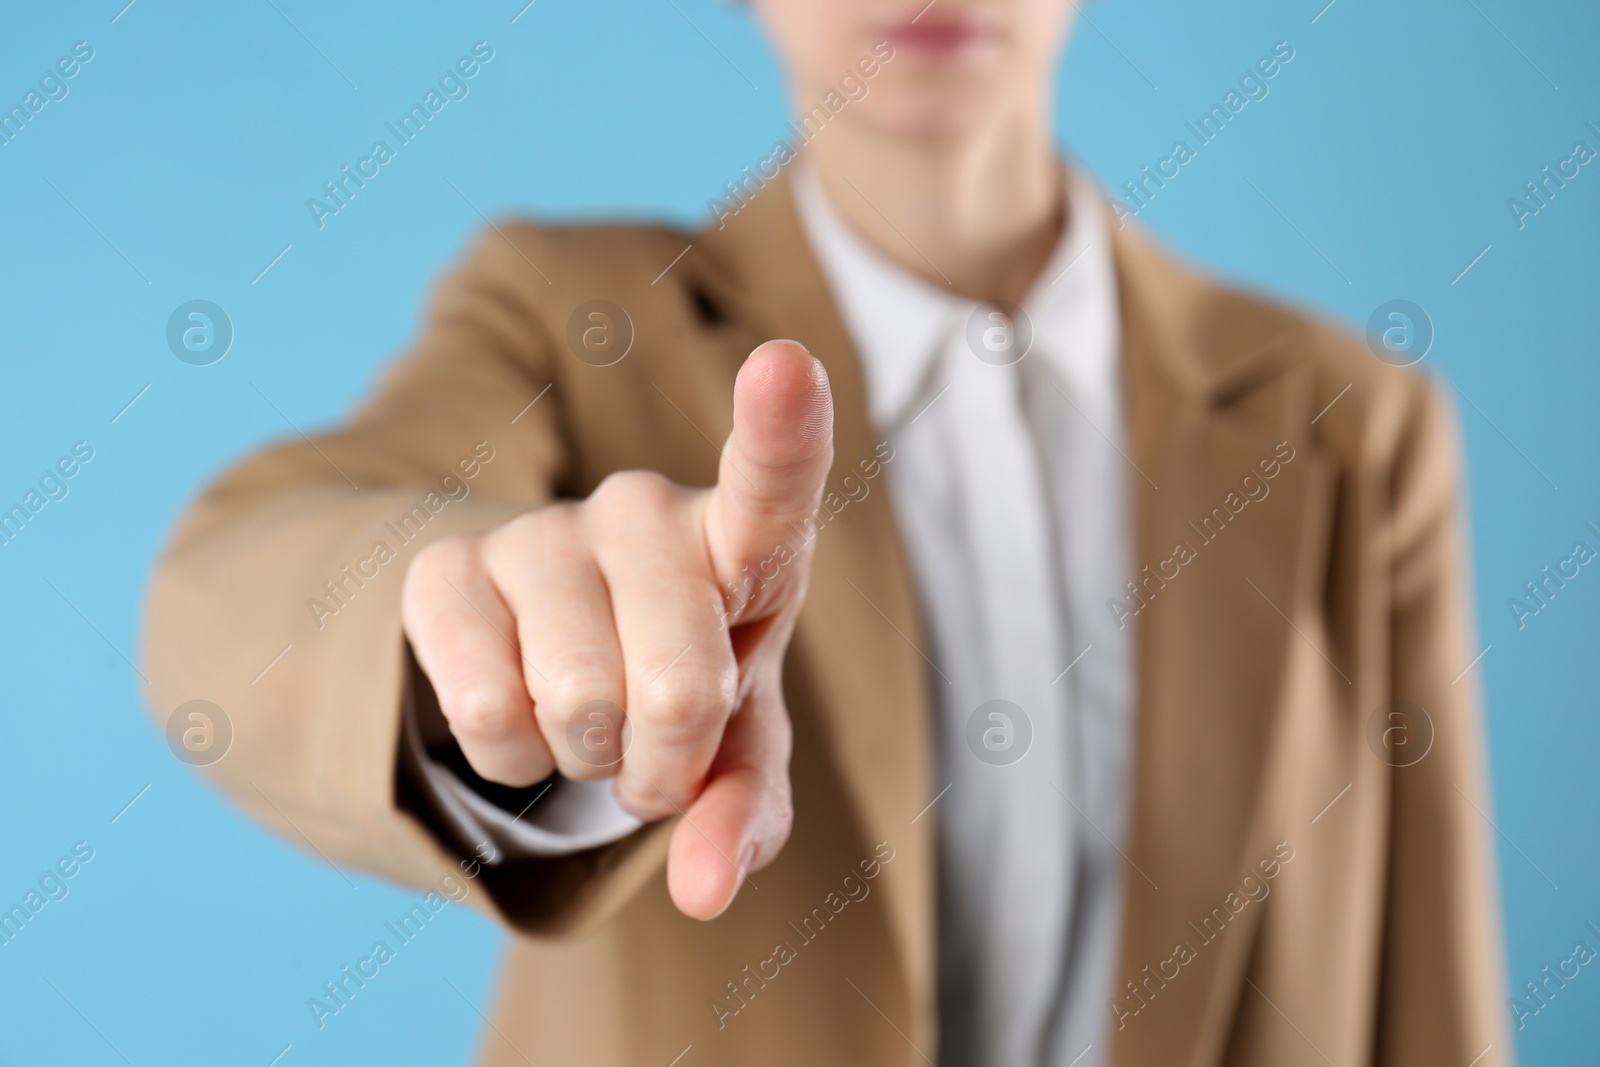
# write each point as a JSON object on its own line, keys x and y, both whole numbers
{"x": 936, "y": 22}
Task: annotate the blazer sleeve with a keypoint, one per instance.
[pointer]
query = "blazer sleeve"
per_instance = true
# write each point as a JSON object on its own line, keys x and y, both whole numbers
{"x": 1441, "y": 986}
{"x": 278, "y": 600}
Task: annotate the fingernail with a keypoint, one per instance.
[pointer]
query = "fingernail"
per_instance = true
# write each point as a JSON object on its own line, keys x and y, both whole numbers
{"x": 747, "y": 856}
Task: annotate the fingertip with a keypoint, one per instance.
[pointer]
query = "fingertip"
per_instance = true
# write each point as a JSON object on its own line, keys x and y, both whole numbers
{"x": 783, "y": 404}
{"x": 781, "y": 349}
{"x": 701, "y": 880}
{"x": 738, "y": 825}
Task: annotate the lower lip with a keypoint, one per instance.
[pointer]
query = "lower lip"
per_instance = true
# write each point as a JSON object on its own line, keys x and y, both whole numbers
{"x": 934, "y": 39}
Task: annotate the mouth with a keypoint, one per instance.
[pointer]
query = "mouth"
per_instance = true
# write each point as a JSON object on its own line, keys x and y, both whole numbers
{"x": 936, "y": 34}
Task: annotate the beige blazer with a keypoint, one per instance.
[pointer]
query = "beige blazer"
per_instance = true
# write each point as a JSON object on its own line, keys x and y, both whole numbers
{"x": 1294, "y": 896}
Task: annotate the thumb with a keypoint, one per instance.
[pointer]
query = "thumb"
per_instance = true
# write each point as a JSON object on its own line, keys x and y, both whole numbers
{"x": 771, "y": 479}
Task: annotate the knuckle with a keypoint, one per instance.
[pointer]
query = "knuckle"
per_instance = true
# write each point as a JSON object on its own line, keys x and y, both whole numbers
{"x": 543, "y": 540}
{"x": 586, "y": 731}
{"x": 540, "y": 527}
{"x": 482, "y": 714}
{"x": 633, "y": 491}
{"x": 577, "y": 683}
{"x": 687, "y": 700}
{"x": 444, "y": 558}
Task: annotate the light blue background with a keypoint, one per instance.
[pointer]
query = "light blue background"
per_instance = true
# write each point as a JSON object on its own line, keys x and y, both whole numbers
{"x": 1387, "y": 149}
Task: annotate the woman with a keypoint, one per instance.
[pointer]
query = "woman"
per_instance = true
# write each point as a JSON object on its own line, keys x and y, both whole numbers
{"x": 1031, "y": 685}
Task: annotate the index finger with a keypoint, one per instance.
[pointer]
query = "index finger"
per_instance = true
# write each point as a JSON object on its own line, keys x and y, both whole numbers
{"x": 772, "y": 474}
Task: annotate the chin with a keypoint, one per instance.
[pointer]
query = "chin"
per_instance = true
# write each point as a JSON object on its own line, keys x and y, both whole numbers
{"x": 935, "y": 113}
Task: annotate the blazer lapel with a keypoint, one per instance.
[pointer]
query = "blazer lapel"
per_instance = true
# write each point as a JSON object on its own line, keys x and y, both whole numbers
{"x": 858, "y": 647}
{"x": 1227, "y": 590}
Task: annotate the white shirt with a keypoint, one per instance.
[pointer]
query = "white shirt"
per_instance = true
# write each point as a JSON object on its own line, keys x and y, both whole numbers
{"x": 1009, "y": 486}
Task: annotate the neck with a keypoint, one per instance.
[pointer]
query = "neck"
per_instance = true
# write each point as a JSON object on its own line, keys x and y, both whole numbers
{"x": 979, "y": 215}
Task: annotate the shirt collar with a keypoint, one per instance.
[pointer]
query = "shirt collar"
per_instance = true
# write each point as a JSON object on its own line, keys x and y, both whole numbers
{"x": 900, "y": 321}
